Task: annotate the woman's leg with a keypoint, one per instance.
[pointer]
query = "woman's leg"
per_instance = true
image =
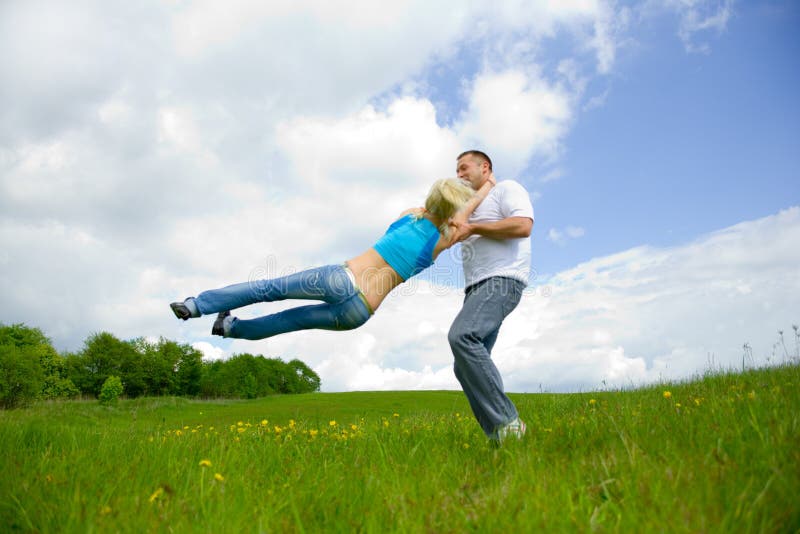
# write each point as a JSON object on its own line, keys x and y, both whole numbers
{"x": 346, "y": 315}
{"x": 329, "y": 284}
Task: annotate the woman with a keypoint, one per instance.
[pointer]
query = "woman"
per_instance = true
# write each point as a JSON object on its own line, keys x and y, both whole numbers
{"x": 353, "y": 291}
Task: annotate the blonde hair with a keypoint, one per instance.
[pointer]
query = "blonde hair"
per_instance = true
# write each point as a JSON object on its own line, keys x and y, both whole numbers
{"x": 446, "y": 198}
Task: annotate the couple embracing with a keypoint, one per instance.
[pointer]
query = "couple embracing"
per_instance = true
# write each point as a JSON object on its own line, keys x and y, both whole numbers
{"x": 492, "y": 219}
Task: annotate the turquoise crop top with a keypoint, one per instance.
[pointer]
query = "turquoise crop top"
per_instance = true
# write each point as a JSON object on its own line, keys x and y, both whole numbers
{"x": 407, "y": 246}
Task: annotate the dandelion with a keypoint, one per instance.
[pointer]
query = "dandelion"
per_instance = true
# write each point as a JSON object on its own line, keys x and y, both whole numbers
{"x": 178, "y": 433}
{"x": 677, "y": 404}
{"x": 239, "y": 423}
{"x": 313, "y": 433}
{"x": 697, "y": 402}
{"x": 205, "y": 463}
{"x": 241, "y": 429}
{"x": 105, "y": 510}
{"x": 353, "y": 427}
{"x": 385, "y": 423}
{"x": 751, "y": 395}
{"x": 264, "y": 422}
{"x": 332, "y": 423}
{"x": 291, "y": 423}
{"x": 219, "y": 478}
{"x": 466, "y": 446}
{"x": 278, "y": 429}
{"x": 156, "y": 494}
{"x": 395, "y": 415}
{"x": 592, "y": 402}
{"x": 667, "y": 395}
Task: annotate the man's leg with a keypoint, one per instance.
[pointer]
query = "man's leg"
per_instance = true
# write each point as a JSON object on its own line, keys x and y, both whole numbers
{"x": 471, "y": 338}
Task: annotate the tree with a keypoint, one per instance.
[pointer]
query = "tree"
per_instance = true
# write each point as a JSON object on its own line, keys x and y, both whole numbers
{"x": 188, "y": 371}
{"x": 104, "y": 355}
{"x": 110, "y": 390}
{"x": 306, "y": 379}
{"x": 20, "y": 375}
{"x": 37, "y": 348}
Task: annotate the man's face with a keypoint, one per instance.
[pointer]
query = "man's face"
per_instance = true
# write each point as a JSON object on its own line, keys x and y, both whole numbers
{"x": 473, "y": 170}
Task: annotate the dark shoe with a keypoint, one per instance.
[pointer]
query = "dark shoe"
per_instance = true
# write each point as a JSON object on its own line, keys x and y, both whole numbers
{"x": 218, "y": 329}
{"x": 181, "y": 311}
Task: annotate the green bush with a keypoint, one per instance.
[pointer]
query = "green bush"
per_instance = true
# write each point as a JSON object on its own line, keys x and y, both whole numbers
{"x": 111, "y": 390}
{"x": 20, "y": 375}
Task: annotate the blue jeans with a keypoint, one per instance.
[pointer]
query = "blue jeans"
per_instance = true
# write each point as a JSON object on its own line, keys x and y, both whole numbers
{"x": 472, "y": 337}
{"x": 345, "y": 307}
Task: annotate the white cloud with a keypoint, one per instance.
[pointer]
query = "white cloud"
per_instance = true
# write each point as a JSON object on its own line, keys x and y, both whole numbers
{"x": 210, "y": 352}
{"x": 560, "y": 237}
{"x": 697, "y": 18}
{"x": 516, "y": 116}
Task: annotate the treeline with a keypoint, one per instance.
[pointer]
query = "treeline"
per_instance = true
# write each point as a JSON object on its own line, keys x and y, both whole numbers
{"x": 30, "y": 369}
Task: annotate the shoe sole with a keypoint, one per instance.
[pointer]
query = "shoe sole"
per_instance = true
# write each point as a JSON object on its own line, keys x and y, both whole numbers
{"x": 218, "y": 329}
{"x": 180, "y": 311}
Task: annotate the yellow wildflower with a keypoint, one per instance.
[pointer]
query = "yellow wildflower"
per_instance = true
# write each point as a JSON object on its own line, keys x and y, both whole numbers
{"x": 278, "y": 429}
{"x": 332, "y": 423}
{"x": 156, "y": 494}
{"x": 105, "y": 510}
{"x": 241, "y": 429}
{"x": 395, "y": 415}
{"x": 592, "y": 402}
{"x": 264, "y": 422}
{"x": 353, "y": 427}
{"x": 751, "y": 395}
{"x": 291, "y": 423}
{"x": 667, "y": 395}
{"x": 219, "y": 478}
{"x": 313, "y": 433}
{"x": 239, "y": 423}
{"x": 205, "y": 463}
{"x": 385, "y": 422}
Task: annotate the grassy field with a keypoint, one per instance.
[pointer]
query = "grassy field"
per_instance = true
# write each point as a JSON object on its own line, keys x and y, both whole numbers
{"x": 720, "y": 454}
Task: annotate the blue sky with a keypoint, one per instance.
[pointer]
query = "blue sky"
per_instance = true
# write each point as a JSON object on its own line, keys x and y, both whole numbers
{"x": 151, "y": 151}
{"x": 685, "y": 143}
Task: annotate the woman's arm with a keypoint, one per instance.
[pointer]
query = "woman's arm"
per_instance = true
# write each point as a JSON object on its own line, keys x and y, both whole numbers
{"x": 459, "y": 220}
{"x": 480, "y": 195}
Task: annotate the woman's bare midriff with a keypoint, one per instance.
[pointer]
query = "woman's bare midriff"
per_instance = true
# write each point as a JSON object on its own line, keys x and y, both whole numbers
{"x": 374, "y": 276}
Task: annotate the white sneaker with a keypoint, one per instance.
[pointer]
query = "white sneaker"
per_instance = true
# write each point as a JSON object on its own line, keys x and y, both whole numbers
{"x": 515, "y": 428}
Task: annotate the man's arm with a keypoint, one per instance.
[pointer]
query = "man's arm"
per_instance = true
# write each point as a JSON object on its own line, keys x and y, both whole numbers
{"x": 509, "y": 228}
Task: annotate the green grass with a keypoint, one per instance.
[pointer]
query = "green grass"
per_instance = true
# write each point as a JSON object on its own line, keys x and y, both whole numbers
{"x": 720, "y": 454}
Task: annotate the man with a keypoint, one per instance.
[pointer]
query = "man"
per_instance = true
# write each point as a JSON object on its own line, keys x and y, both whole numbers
{"x": 496, "y": 255}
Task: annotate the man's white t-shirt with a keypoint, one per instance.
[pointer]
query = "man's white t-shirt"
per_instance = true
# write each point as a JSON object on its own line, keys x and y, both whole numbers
{"x": 483, "y": 257}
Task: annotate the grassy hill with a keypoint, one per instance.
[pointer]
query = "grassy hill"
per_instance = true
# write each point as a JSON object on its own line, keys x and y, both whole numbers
{"x": 716, "y": 454}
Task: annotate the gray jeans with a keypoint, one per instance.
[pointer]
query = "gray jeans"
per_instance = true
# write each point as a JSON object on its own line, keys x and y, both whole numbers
{"x": 472, "y": 337}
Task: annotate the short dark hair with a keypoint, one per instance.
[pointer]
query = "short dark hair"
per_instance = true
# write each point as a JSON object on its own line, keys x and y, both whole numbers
{"x": 477, "y": 154}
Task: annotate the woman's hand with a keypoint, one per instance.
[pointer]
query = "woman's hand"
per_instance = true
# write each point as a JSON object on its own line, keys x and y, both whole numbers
{"x": 492, "y": 179}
